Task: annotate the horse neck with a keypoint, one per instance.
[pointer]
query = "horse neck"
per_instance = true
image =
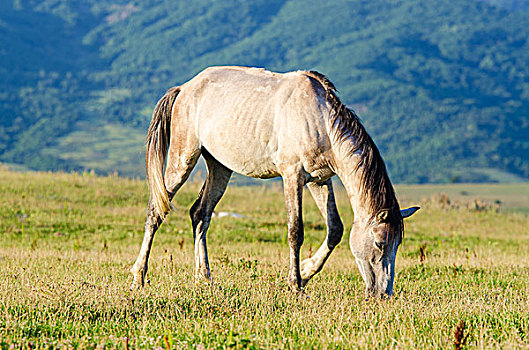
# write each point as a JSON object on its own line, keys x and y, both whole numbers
{"x": 350, "y": 170}
{"x": 356, "y": 155}
{"x": 352, "y": 182}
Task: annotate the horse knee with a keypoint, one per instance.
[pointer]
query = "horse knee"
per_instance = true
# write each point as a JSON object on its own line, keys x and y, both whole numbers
{"x": 335, "y": 234}
{"x": 194, "y": 213}
{"x": 296, "y": 237}
{"x": 153, "y": 220}
{"x": 200, "y": 215}
{"x": 295, "y": 240}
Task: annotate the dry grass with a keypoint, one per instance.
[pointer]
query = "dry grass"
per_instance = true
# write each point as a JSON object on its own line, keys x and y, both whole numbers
{"x": 67, "y": 242}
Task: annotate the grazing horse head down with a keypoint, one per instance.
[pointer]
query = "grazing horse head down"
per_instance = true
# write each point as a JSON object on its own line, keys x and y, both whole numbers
{"x": 263, "y": 124}
{"x": 374, "y": 244}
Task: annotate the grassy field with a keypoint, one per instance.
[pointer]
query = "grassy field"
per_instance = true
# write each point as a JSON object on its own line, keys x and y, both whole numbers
{"x": 67, "y": 242}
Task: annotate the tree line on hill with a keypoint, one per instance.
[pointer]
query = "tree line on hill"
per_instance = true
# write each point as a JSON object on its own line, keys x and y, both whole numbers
{"x": 443, "y": 87}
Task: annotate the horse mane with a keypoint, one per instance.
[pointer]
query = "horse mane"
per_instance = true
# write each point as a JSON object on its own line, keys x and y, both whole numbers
{"x": 322, "y": 79}
{"x": 347, "y": 127}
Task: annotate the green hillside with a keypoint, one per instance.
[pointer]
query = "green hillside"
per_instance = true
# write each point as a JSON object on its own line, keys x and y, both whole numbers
{"x": 443, "y": 87}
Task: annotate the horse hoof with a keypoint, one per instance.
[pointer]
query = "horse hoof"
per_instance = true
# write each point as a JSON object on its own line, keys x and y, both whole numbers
{"x": 304, "y": 296}
{"x": 296, "y": 289}
{"x": 135, "y": 286}
{"x": 301, "y": 294}
{"x": 137, "y": 283}
{"x": 201, "y": 280}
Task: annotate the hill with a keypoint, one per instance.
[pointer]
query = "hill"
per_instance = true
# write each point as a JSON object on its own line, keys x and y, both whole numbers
{"x": 443, "y": 87}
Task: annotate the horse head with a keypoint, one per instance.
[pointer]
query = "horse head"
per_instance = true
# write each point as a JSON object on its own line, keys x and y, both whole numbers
{"x": 374, "y": 243}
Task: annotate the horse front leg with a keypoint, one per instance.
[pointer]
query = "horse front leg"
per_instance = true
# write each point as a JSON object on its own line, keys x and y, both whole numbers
{"x": 324, "y": 197}
{"x": 293, "y": 190}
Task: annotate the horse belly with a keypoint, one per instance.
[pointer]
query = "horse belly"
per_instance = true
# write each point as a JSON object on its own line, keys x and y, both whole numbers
{"x": 257, "y": 168}
{"x": 242, "y": 150}
{"x": 244, "y": 163}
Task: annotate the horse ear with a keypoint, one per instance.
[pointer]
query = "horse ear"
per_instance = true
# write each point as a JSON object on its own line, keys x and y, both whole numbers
{"x": 408, "y": 211}
{"x": 382, "y": 215}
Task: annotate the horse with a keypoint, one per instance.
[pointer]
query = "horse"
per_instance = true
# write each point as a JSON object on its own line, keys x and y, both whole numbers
{"x": 264, "y": 124}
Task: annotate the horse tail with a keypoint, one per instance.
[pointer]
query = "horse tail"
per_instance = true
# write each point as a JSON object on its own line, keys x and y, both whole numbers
{"x": 158, "y": 138}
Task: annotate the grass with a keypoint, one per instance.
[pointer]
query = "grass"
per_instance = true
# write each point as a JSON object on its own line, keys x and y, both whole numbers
{"x": 67, "y": 242}
{"x": 513, "y": 197}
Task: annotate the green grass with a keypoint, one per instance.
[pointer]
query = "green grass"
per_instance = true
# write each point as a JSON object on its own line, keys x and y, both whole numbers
{"x": 67, "y": 242}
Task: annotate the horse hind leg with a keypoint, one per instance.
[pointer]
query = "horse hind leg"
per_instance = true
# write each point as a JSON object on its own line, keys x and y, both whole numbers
{"x": 177, "y": 172}
{"x": 212, "y": 191}
{"x": 324, "y": 197}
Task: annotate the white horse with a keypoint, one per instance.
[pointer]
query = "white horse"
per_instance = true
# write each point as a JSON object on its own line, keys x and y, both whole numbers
{"x": 263, "y": 124}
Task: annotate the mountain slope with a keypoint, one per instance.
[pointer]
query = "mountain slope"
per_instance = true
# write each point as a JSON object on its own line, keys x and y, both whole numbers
{"x": 443, "y": 87}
